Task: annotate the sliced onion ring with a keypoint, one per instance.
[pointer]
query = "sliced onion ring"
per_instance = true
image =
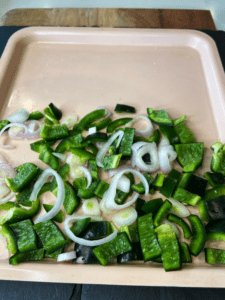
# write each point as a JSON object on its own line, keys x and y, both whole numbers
{"x": 20, "y": 116}
{"x": 135, "y": 147}
{"x": 111, "y": 192}
{"x": 146, "y": 132}
{"x": 166, "y": 156}
{"x": 150, "y": 148}
{"x": 112, "y": 172}
{"x": 60, "y": 194}
{"x": 125, "y": 217}
{"x": 83, "y": 241}
{"x": 124, "y": 184}
{"x": 32, "y": 132}
{"x": 66, "y": 256}
{"x": 8, "y": 126}
{"x": 164, "y": 142}
{"x": 101, "y": 153}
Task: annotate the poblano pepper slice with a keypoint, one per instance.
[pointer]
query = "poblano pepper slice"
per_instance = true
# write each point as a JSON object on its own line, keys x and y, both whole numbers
{"x": 54, "y": 132}
{"x": 66, "y": 144}
{"x": 8, "y": 234}
{"x": 27, "y": 256}
{"x": 198, "y": 235}
{"x": 184, "y": 133}
{"x": 214, "y": 256}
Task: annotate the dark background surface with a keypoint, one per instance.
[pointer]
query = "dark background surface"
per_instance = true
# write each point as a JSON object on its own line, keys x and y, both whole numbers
{"x": 16, "y": 290}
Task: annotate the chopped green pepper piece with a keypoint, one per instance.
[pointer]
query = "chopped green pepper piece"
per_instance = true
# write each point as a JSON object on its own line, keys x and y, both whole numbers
{"x": 111, "y": 162}
{"x": 66, "y": 144}
{"x": 50, "y": 118}
{"x": 168, "y": 187}
{"x": 138, "y": 206}
{"x": 170, "y": 133}
{"x": 38, "y": 146}
{"x": 182, "y": 195}
{"x": 99, "y": 125}
{"x": 117, "y": 123}
{"x": 132, "y": 232}
{"x": 174, "y": 174}
{"x": 26, "y": 174}
{"x": 78, "y": 227}
{"x": 119, "y": 245}
{"x": 190, "y": 156}
{"x": 122, "y": 108}
{"x": 23, "y": 198}
{"x": 153, "y": 138}
{"x": 212, "y": 209}
{"x": 193, "y": 184}
{"x": 214, "y": 192}
{"x": 48, "y": 121}
{"x": 3, "y": 123}
{"x": 152, "y": 206}
{"x": 149, "y": 244}
{"x": 8, "y": 205}
{"x": 55, "y": 111}
{"x": 199, "y": 235}
{"x": 139, "y": 188}
{"x": 54, "y": 254}
{"x": 80, "y": 183}
{"x": 88, "y": 192}
{"x": 177, "y": 220}
{"x": 90, "y": 118}
{"x": 54, "y": 132}
{"x": 101, "y": 187}
{"x": 94, "y": 169}
{"x": 83, "y": 155}
{"x": 35, "y": 115}
{"x": 25, "y": 235}
{"x": 7, "y": 233}
{"x": 184, "y": 133}
{"x": 170, "y": 248}
{"x": 214, "y": 256}
{"x": 215, "y": 230}
{"x": 27, "y": 256}
{"x": 45, "y": 188}
{"x": 185, "y": 253}
{"x": 158, "y": 181}
{"x": 134, "y": 255}
{"x": 63, "y": 172}
{"x": 48, "y": 158}
{"x": 50, "y": 236}
{"x": 95, "y": 137}
{"x": 16, "y": 214}
{"x": 127, "y": 142}
{"x": 162, "y": 212}
{"x": 218, "y": 158}
{"x": 159, "y": 117}
{"x": 214, "y": 179}
{"x": 96, "y": 230}
{"x": 71, "y": 200}
{"x": 57, "y": 218}
{"x": 93, "y": 148}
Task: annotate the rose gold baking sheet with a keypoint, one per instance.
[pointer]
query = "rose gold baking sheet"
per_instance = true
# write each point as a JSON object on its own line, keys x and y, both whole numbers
{"x": 79, "y": 69}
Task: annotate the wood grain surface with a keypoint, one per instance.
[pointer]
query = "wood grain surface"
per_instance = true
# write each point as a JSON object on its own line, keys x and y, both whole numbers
{"x": 110, "y": 17}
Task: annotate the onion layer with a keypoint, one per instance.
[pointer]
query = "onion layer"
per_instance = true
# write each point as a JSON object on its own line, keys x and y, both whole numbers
{"x": 124, "y": 184}
{"x": 166, "y": 156}
{"x": 150, "y": 148}
{"x": 20, "y": 116}
{"x": 178, "y": 208}
{"x": 66, "y": 256}
{"x": 146, "y": 132}
{"x": 83, "y": 241}
{"x": 60, "y": 194}
{"x": 125, "y": 217}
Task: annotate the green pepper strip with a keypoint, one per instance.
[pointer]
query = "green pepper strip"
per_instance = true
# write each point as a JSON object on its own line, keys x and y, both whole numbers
{"x": 54, "y": 132}
{"x": 177, "y": 220}
{"x": 25, "y": 235}
{"x": 162, "y": 212}
{"x": 16, "y": 214}
{"x": 153, "y": 138}
{"x": 214, "y": 256}
{"x": 48, "y": 158}
{"x": 185, "y": 253}
{"x": 95, "y": 137}
{"x": 149, "y": 244}
{"x": 117, "y": 123}
{"x": 26, "y": 174}
{"x": 35, "y": 115}
{"x": 99, "y": 125}
{"x": 119, "y": 245}
{"x": 50, "y": 236}
{"x": 90, "y": 118}
{"x": 57, "y": 218}
{"x": 199, "y": 235}
{"x": 66, "y": 144}
{"x": 7, "y": 233}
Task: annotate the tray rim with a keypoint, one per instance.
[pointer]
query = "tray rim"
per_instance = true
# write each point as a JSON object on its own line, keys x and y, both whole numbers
{"x": 107, "y": 274}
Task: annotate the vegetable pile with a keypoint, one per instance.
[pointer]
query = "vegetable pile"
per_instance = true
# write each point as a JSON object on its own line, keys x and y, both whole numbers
{"x": 135, "y": 162}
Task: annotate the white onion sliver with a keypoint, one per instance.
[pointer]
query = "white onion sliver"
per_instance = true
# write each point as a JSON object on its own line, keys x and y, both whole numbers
{"x": 164, "y": 142}
{"x": 123, "y": 184}
{"x": 11, "y": 125}
{"x": 80, "y": 260}
{"x": 87, "y": 175}
{"x": 111, "y": 192}
{"x": 83, "y": 241}
{"x": 150, "y": 148}
{"x": 175, "y": 228}
{"x": 74, "y": 162}
{"x": 135, "y": 147}
{"x": 178, "y": 208}
{"x": 32, "y": 132}
{"x": 101, "y": 153}
{"x": 6, "y": 199}
{"x": 91, "y": 207}
{"x": 112, "y": 172}
{"x": 104, "y": 208}
{"x": 146, "y": 132}
{"x": 60, "y": 194}
{"x": 70, "y": 121}
{"x": 92, "y": 130}
{"x": 61, "y": 156}
{"x": 20, "y": 115}
{"x": 7, "y": 171}
{"x": 166, "y": 156}
{"x": 125, "y": 217}
{"x": 4, "y": 190}
{"x": 66, "y": 256}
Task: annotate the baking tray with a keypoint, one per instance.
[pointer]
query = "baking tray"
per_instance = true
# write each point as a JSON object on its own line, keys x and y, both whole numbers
{"x": 79, "y": 69}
